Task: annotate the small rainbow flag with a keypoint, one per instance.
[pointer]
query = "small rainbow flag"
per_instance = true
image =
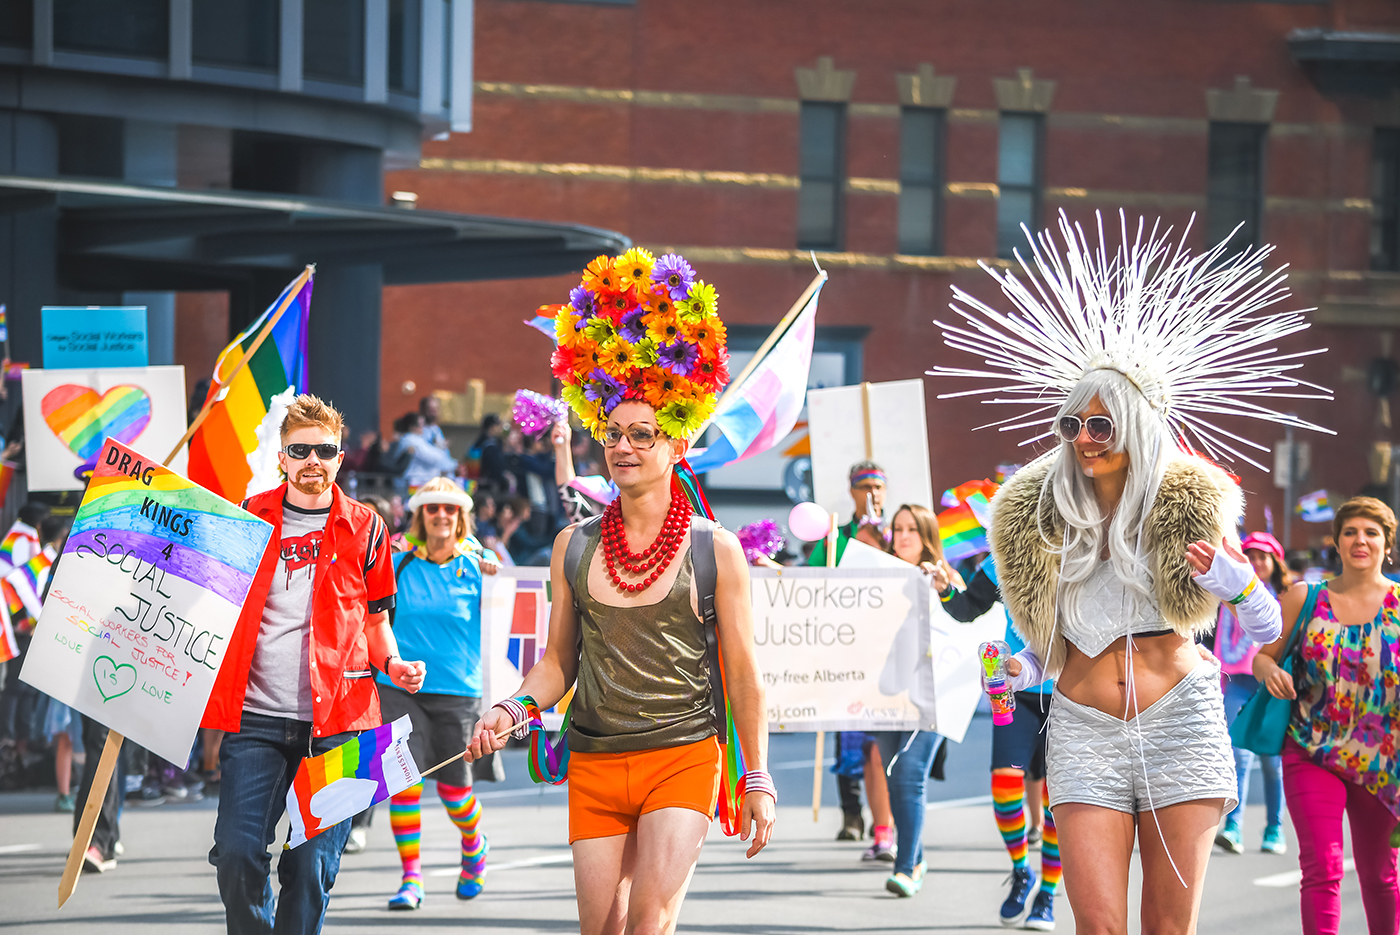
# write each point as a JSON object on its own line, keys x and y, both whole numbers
{"x": 4, "y": 325}
{"x": 19, "y": 546}
{"x": 9, "y": 647}
{"x": 341, "y": 783}
{"x": 963, "y": 529}
{"x": 28, "y": 581}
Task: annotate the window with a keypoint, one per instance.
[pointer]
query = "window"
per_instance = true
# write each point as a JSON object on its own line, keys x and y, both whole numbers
{"x": 132, "y": 27}
{"x": 446, "y": 54}
{"x": 1018, "y": 179}
{"x": 921, "y": 135}
{"x": 1235, "y": 188}
{"x": 1385, "y": 200}
{"x": 405, "y": 34}
{"x": 17, "y": 23}
{"x": 823, "y": 175}
{"x": 333, "y": 43}
{"x": 237, "y": 32}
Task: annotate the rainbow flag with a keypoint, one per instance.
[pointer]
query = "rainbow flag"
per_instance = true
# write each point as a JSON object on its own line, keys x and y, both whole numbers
{"x": 341, "y": 783}
{"x": 4, "y": 325}
{"x": 959, "y": 494}
{"x": 19, "y": 546}
{"x": 9, "y": 647}
{"x": 760, "y": 412}
{"x": 28, "y": 581}
{"x": 963, "y": 529}
{"x": 220, "y": 448}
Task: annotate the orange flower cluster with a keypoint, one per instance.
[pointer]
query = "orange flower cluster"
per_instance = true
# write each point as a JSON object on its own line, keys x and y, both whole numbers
{"x": 638, "y": 327}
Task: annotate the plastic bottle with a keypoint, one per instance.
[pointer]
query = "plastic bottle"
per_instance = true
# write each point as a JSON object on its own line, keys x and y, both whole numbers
{"x": 996, "y": 682}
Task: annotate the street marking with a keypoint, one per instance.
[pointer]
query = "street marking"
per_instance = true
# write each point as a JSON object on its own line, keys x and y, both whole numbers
{"x": 509, "y": 865}
{"x": 797, "y": 764}
{"x": 18, "y": 848}
{"x": 959, "y": 803}
{"x": 1294, "y": 877}
{"x": 542, "y": 789}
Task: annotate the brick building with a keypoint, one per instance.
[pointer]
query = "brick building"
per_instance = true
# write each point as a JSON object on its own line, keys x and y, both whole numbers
{"x": 904, "y": 141}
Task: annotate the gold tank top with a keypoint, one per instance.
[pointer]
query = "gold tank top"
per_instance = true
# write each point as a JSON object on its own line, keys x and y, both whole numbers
{"x": 643, "y": 673}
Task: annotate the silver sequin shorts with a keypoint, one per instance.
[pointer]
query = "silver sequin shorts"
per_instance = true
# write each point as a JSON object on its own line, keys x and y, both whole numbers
{"x": 1177, "y": 750}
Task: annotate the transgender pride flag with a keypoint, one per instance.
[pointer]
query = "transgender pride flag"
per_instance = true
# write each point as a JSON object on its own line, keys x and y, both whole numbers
{"x": 757, "y": 414}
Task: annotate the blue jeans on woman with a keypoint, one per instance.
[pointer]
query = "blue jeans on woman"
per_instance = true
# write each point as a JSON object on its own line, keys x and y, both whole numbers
{"x": 907, "y": 757}
{"x": 258, "y": 765}
{"x": 1238, "y": 689}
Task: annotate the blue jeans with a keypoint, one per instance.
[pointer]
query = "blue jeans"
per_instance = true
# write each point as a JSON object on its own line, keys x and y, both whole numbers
{"x": 907, "y": 758}
{"x": 258, "y": 765}
{"x": 1238, "y": 689}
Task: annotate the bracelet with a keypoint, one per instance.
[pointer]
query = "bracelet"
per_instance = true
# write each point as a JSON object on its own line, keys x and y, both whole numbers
{"x": 518, "y": 713}
{"x": 388, "y": 659}
{"x": 1248, "y": 590}
{"x": 758, "y": 780}
{"x": 945, "y": 598}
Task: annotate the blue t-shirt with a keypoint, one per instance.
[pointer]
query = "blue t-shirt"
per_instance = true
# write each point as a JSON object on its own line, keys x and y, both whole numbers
{"x": 437, "y": 618}
{"x": 1013, "y": 639}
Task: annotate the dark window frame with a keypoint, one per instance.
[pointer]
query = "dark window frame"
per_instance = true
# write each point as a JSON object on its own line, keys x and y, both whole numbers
{"x": 811, "y": 175}
{"x": 1035, "y": 188}
{"x": 262, "y": 54}
{"x": 405, "y": 64}
{"x": 315, "y": 24}
{"x": 920, "y": 191}
{"x": 1230, "y": 201}
{"x": 1385, "y": 200}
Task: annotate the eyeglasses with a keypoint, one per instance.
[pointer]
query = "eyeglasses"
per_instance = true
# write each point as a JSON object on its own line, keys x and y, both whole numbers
{"x": 1100, "y": 428}
{"x": 432, "y": 508}
{"x": 300, "y": 452}
{"x": 642, "y": 437}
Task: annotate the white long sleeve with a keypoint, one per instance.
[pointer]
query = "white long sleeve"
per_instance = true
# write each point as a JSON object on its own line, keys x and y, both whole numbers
{"x": 1032, "y": 670}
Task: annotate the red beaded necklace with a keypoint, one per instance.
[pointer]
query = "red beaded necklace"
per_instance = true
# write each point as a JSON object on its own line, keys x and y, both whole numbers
{"x": 655, "y": 558}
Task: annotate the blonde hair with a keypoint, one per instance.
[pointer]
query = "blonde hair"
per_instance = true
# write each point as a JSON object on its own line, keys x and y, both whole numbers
{"x": 926, "y": 522}
{"x": 307, "y": 411}
{"x": 418, "y": 530}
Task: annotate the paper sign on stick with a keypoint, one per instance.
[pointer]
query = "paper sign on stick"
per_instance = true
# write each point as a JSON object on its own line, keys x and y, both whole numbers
{"x": 144, "y": 600}
{"x": 343, "y": 782}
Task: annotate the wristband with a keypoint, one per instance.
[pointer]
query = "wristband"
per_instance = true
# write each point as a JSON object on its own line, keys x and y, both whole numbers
{"x": 518, "y": 712}
{"x": 758, "y": 780}
{"x": 945, "y": 598}
{"x": 1248, "y": 589}
{"x": 388, "y": 659}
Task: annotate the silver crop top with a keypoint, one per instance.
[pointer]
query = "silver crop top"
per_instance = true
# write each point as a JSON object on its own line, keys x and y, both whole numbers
{"x": 1106, "y": 612}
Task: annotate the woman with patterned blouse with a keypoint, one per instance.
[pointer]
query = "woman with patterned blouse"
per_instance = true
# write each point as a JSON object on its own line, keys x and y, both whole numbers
{"x": 1340, "y": 754}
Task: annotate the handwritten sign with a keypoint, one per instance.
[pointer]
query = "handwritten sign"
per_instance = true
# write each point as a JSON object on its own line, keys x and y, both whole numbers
{"x": 143, "y": 601}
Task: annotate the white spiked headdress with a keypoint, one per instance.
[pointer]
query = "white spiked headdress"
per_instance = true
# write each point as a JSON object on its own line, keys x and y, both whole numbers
{"x": 1192, "y": 333}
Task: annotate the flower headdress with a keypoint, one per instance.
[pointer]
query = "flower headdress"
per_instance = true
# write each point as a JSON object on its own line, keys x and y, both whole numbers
{"x": 643, "y": 328}
{"x": 1192, "y": 333}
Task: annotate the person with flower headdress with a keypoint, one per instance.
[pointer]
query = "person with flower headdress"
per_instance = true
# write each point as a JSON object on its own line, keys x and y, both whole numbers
{"x": 1114, "y": 549}
{"x": 642, "y": 356}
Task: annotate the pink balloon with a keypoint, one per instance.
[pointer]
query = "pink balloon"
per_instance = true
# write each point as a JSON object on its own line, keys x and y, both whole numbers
{"x": 809, "y": 522}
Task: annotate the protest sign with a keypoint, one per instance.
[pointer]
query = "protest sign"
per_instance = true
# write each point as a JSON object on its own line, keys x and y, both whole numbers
{"x": 883, "y": 422}
{"x": 143, "y": 601}
{"x": 94, "y": 336}
{"x": 515, "y": 605}
{"x": 69, "y": 414}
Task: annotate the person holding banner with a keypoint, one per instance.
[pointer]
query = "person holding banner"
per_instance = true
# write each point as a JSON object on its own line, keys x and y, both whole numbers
{"x": 438, "y": 613}
{"x": 297, "y": 678}
{"x": 639, "y": 593}
{"x": 1114, "y": 549}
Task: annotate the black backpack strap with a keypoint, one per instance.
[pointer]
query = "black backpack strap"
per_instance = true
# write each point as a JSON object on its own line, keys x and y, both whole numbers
{"x": 702, "y": 560}
{"x": 399, "y": 562}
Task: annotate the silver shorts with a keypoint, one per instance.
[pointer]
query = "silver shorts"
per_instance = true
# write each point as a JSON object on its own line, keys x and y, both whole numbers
{"x": 1177, "y": 750}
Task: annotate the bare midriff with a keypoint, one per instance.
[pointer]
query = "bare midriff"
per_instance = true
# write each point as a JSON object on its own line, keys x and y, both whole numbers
{"x": 1159, "y": 663}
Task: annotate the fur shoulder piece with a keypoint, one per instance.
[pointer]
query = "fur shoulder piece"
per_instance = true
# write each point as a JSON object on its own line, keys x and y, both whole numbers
{"x": 1197, "y": 500}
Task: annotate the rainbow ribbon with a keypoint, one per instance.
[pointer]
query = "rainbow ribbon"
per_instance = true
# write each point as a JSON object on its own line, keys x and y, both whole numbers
{"x": 547, "y": 764}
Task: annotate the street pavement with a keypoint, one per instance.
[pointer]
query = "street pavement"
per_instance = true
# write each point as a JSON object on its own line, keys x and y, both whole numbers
{"x": 805, "y": 882}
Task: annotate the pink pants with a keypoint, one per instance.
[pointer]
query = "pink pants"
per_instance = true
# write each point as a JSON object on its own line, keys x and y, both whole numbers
{"x": 1316, "y": 799}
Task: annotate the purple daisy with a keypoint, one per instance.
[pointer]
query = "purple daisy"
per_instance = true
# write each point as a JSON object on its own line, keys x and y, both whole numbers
{"x": 583, "y": 302}
{"x": 678, "y": 357}
{"x": 675, "y": 274}
{"x": 604, "y": 389}
{"x": 632, "y": 328}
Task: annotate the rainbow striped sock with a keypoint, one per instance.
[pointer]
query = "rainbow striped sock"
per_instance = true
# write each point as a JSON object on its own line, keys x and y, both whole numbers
{"x": 1049, "y": 847}
{"x": 406, "y": 819}
{"x": 1008, "y": 801}
{"x": 465, "y": 812}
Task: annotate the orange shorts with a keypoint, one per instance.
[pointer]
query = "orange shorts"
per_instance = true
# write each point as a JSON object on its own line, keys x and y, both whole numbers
{"x": 608, "y": 792}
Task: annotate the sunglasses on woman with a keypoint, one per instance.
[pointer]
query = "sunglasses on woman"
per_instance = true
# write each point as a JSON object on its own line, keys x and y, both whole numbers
{"x": 1100, "y": 428}
{"x": 432, "y": 508}
{"x": 300, "y": 451}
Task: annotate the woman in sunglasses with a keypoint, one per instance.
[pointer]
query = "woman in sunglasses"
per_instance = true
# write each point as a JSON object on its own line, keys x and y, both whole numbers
{"x": 438, "y": 617}
{"x": 1114, "y": 549}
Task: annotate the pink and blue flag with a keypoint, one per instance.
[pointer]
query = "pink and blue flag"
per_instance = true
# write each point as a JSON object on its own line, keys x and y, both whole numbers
{"x": 761, "y": 411}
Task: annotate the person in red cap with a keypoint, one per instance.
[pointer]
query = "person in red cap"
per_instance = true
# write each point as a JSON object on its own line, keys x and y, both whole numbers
{"x": 1236, "y": 652}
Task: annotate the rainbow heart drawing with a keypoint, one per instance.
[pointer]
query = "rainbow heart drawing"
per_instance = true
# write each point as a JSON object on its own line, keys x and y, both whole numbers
{"x": 82, "y": 419}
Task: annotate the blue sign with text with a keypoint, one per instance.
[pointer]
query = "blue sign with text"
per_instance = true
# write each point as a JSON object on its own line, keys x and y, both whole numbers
{"x": 94, "y": 336}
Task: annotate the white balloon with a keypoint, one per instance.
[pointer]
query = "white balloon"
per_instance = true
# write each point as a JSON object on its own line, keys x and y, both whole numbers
{"x": 809, "y": 522}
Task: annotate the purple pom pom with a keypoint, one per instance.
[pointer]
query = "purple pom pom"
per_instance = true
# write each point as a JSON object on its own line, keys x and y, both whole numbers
{"x": 536, "y": 412}
{"x": 761, "y": 538}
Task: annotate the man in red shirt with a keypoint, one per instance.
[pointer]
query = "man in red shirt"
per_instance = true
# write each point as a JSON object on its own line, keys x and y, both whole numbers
{"x": 297, "y": 678}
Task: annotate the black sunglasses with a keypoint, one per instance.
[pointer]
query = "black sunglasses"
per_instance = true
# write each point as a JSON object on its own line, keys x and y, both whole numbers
{"x": 300, "y": 452}
{"x": 1100, "y": 428}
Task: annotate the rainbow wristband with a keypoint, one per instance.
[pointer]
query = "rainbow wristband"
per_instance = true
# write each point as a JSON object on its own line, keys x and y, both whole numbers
{"x": 945, "y": 598}
{"x": 1248, "y": 590}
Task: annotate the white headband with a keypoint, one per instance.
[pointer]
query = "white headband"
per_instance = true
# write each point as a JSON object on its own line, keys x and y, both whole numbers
{"x": 458, "y": 497}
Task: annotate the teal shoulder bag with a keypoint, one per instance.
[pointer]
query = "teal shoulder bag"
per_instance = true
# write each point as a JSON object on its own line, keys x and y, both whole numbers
{"x": 1262, "y": 722}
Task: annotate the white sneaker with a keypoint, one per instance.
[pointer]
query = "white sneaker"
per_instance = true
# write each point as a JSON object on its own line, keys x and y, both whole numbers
{"x": 356, "y": 842}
